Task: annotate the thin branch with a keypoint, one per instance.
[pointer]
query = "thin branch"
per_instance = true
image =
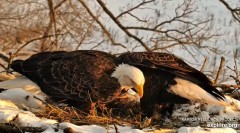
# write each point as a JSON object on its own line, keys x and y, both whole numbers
{"x": 133, "y": 8}
{"x": 235, "y": 12}
{"x": 98, "y": 44}
{"x": 4, "y": 67}
{"x": 51, "y": 22}
{"x": 32, "y": 40}
{"x": 59, "y": 4}
{"x": 53, "y": 19}
{"x": 110, "y": 14}
{"x": 116, "y": 129}
{"x": 4, "y": 56}
{"x": 145, "y": 21}
{"x": 100, "y": 24}
{"x": 204, "y": 64}
{"x": 219, "y": 69}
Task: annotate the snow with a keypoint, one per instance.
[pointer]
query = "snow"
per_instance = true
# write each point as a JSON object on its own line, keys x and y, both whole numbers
{"x": 217, "y": 118}
{"x": 204, "y": 114}
{"x": 23, "y": 99}
{"x": 20, "y": 82}
{"x": 98, "y": 129}
{"x": 10, "y": 112}
{"x": 91, "y": 129}
{"x": 205, "y": 130}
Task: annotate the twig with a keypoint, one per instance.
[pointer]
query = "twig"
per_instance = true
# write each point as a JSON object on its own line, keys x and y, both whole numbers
{"x": 100, "y": 24}
{"x": 235, "y": 70}
{"x": 110, "y": 14}
{"x": 52, "y": 16}
{"x": 219, "y": 70}
{"x": 116, "y": 129}
{"x": 234, "y": 11}
{"x": 40, "y": 100}
{"x": 10, "y": 60}
{"x": 133, "y": 8}
{"x": 32, "y": 40}
{"x": 3, "y": 56}
{"x": 236, "y": 79}
{"x": 204, "y": 64}
{"x": 3, "y": 66}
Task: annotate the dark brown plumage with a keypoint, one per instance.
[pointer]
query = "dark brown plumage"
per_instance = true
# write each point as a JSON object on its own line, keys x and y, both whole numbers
{"x": 79, "y": 77}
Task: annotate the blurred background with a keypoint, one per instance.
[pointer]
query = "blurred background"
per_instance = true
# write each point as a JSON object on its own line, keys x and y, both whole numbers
{"x": 196, "y": 30}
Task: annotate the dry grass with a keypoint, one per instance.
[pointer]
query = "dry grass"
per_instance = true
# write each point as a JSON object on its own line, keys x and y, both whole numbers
{"x": 120, "y": 111}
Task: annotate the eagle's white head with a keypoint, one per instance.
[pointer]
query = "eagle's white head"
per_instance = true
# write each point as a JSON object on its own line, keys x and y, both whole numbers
{"x": 130, "y": 77}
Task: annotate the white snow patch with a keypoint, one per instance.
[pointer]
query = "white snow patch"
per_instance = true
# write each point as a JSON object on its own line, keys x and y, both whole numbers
{"x": 52, "y": 130}
{"x": 204, "y": 114}
{"x": 21, "y": 82}
{"x": 235, "y": 103}
{"x": 205, "y": 130}
{"x": 187, "y": 110}
{"x": 99, "y": 129}
{"x": 23, "y": 99}
{"x": 213, "y": 109}
{"x": 216, "y": 118}
{"x": 84, "y": 128}
{"x": 10, "y": 112}
{"x": 229, "y": 111}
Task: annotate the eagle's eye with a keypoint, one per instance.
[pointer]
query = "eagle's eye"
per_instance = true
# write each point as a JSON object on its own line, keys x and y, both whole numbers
{"x": 132, "y": 82}
{"x": 134, "y": 90}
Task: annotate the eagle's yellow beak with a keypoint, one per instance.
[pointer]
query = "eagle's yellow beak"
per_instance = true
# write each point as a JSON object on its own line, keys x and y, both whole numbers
{"x": 139, "y": 90}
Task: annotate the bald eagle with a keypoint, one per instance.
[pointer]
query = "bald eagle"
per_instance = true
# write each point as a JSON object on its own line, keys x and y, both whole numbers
{"x": 168, "y": 79}
{"x": 92, "y": 76}
{"x": 79, "y": 77}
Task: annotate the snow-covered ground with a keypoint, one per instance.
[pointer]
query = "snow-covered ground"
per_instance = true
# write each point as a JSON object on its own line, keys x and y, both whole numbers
{"x": 193, "y": 118}
{"x": 10, "y": 112}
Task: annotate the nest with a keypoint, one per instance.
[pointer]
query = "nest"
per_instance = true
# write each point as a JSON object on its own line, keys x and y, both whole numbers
{"x": 123, "y": 110}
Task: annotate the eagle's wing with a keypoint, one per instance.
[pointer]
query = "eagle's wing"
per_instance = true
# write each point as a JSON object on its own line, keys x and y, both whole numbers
{"x": 74, "y": 75}
{"x": 163, "y": 61}
{"x": 156, "y": 60}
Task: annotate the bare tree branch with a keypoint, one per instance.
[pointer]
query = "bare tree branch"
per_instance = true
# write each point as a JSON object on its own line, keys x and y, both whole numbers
{"x": 30, "y": 41}
{"x": 204, "y": 64}
{"x": 53, "y": 18}
{"x": 219, "y": 69}
{"x": 121, "y": 26}
{"x": 59, "y": 4}
{"x": 100, "y": 24}
{"x": 133, "y": 8}
{"x": 234, "y": 11}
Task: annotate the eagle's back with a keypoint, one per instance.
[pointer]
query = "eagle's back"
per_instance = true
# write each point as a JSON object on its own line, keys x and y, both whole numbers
{"x": 76, "y": 75}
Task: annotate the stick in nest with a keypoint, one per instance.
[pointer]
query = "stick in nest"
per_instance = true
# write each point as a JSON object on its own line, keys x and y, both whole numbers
{"x": 219, "y": 70}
